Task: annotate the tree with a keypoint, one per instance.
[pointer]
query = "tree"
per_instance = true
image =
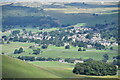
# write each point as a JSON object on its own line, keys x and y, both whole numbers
{"x": 86, "y": 60}
{"x": 111, "y": 48}
{"x": 89, "y": 36}
{"x": 117, "y": 61}
{"x": 99, "y": 46}
{"x": 67, "y": 47}
{"x": 5, "y": 38}
{"x": 20, "y": 50}
{"x": 36, "y": 51}
{"x": 15, "y": 32}
{"x": 81, "y": 44}
{"x": 15, "y": 51}
{"x": 106, "y": 56}
{"x": 24, "y": 31}
{"x": 15, "y": 38}
{"x": 84, "y": 49}
{"x": 8, "y": 42}
{"x": 96, "y": 68}
{"x": 79, "y": 49}
{"x": 21, "y": 39}
{"x": 44, "y": 46}
{"x": 3, "y": 53}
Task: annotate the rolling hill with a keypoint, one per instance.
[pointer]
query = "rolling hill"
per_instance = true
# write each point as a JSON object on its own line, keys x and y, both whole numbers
{"x": 22, "y": 16}
{"x": 13, "y": 68}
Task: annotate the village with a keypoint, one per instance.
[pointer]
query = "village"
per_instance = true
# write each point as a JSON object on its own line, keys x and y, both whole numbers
{"x": 64, "y": 36}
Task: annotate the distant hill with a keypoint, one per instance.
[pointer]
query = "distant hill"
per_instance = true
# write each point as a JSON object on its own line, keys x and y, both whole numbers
{"x": 22, "y": 16}
{"x": 13, "y": 68}
{"x": 85, "y": 5}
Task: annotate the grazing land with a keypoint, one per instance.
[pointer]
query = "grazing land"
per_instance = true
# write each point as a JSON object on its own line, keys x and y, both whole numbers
{"x": 48, "y": 40}
{"x": 57, "y": 52}
{"x": 22, "y": 69}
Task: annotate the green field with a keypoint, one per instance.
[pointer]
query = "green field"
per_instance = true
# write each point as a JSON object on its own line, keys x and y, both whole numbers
{"x": 64, "y": 70}
{"x": 60, "y": 69}
{"x": 55, "y": 63}
{"x": 13, "y": 68}
{"x": 58, "y": 52}
{"x": 53, "y": 51}
{"x": 9, "y": 48}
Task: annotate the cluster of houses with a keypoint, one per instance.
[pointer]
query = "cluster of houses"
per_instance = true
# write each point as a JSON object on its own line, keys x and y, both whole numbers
{"x": 96, "y": 37}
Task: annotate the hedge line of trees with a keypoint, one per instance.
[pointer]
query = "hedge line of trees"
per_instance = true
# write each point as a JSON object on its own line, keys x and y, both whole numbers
{"x": 32, "y": 58}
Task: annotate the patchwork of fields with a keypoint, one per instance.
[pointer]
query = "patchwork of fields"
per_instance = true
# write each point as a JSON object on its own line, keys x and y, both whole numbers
{"x": 65, "y": 16}
{"x": 58, "y": 52}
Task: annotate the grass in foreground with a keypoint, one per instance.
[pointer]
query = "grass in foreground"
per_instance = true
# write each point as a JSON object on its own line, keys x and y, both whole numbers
{"x": 13, "y": 68}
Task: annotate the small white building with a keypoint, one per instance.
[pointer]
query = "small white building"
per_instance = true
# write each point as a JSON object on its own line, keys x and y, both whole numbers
{"x": 78, "y": 61}
{"x": 89, "y": 46}
{"x": 62, "y": 60}
{"x": 65, "y": 44}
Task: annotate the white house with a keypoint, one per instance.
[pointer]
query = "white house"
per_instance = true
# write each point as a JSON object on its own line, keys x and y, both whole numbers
{"x": 61, "y": 60}
{"x": 78, "y": 61}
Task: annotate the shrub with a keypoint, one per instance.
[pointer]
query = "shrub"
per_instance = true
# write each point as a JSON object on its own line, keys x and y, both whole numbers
{"x": 67, "y": 47}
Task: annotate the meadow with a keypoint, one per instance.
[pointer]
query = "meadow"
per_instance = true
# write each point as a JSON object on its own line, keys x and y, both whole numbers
{"x": 58, "y": 52}
{"x": 13, "y": 68}
{"x": 64, "y": 70}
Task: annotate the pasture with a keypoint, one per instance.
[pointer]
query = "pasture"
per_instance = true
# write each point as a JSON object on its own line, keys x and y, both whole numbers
{"x": 64, "y": 70}
{"x": 58, "y": 52}
{"x": 13, "y": 68}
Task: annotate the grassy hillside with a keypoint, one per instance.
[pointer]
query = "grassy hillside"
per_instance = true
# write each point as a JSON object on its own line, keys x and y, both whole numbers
{"x": 22, "y": 16}
{"x": 53, "y": 64}
{"x": 13, "y": 68}
{"x": 64, "y": 70}
{"x": 87, "y": 18}
{"x": 60, "y": 69}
